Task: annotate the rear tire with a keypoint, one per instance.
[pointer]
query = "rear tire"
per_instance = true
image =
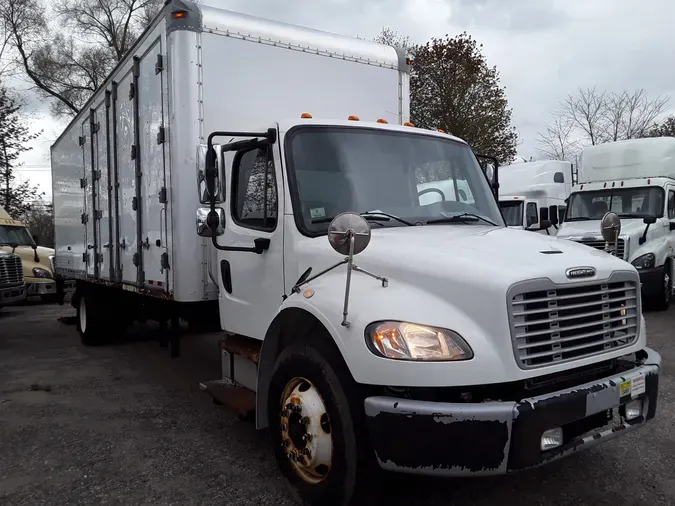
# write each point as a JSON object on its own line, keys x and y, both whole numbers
{"x": 317, "y": 428}
{"x": 91, "y": 323}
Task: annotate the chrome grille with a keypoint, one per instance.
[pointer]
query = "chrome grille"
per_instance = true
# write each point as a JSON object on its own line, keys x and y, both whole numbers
{"x": 555, "y": 324}
{"x": 11, "y": 270}
{"x": 600, "y": 244}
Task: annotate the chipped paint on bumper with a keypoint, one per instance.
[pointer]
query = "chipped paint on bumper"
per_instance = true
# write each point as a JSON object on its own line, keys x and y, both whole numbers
{"x": 491, "y": 438}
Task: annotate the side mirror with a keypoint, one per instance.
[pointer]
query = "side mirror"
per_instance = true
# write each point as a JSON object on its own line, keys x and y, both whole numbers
{"x": 209, "y": 169}
{"x": 544, "y": 224}
{"x": 36, "y": 240}
{"x": 610, "y": 227}
{"x": 348, "y": 228}
{"x": 553, "y": 214}
{"x": 203, "y": 229}
{"x": 649, "y": 220}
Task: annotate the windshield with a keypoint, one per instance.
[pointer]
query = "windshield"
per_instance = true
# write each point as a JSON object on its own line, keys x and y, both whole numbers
{"x": 15, "y": 235}
{"x": 512, "y": 210}
{"x": 414, "y": 177}
{"x": 626, "y": 202}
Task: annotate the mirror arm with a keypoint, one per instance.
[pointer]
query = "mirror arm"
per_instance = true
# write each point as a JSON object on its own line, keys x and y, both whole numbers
{"x": 643, "y": 238}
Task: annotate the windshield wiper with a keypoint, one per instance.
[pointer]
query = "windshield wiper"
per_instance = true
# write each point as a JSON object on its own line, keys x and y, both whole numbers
{"x": 460, "y": 218}
{"x": 630, "y": 215}
{"x": 579, "y": 218}
{"x": 370, "y": 216}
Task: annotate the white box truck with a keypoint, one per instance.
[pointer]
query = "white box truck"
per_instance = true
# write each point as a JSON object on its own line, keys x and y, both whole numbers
{"x": 216, "y": 170}
{"x": 533, "y": 195}
{"x": 634, "y": 179}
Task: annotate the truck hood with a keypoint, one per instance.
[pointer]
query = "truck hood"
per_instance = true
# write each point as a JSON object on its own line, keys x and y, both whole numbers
{"x": 466, "y": 255}
{"x": 630, "y": 227}
{"x": 28, "y": 258}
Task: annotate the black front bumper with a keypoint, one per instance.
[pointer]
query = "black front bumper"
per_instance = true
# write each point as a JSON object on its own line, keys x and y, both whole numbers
{"x": 651, "y": 281}
{"x": 460, "y": 439}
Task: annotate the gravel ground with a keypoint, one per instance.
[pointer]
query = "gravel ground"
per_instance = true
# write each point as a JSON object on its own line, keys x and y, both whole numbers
{"x": 125, "y": 424}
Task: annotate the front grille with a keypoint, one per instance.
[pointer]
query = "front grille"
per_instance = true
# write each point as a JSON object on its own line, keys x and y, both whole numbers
{"x": 600, "y": 244}
{"x": 11, "y": 270}
{"x": 555, "y": 324}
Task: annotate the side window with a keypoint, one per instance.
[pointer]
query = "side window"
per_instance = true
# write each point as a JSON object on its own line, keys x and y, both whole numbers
{"x": 671, "y": 204}
{"x": 531, "y": 214}
{"x": 254, "y": 190}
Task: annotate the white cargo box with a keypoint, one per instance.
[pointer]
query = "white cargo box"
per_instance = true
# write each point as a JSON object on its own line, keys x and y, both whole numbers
{"x": 635, "y": 158}
{"x": 125, "y": 175}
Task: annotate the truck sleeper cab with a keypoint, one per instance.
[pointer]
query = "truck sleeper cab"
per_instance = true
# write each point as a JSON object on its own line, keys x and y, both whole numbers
{"x": 344, "y": 376}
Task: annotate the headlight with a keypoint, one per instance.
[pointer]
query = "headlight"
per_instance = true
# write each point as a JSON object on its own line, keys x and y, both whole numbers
{"x": 39, "y": 272}
{"x": 409, "y": 341}
{"x": 644, "y": 261}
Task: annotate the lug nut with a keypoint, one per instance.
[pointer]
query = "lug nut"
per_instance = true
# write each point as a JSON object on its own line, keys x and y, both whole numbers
{"x": 305, "y": 420}
{"x": 285, "y": 443}
{"x": 291, "y": 455}
{"x": 306, "y": 451}
{"x": 289, "y": 406}
{"x": 282, "y": 428}
{"x": 297, "y": 408}
{"x": 307, "y": 438}
{"x": 285, "y": 413}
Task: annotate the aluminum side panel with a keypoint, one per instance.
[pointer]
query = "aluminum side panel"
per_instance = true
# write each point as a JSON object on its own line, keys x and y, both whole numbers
{"x": 127, "y": 180}
{"x": 69, "y": 232}
{"x": 88, "y": 198}
{"x": 151, "y": 116}
{"x": 102, "y": 201}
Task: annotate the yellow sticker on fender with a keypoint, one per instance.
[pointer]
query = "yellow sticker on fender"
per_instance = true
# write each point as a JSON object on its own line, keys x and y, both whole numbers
{"x": 625, "y": 388}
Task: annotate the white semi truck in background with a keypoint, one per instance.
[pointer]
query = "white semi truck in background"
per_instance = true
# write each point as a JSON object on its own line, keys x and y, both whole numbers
{"x": 634, "y": 179}
{"x": 533, "y": 195}
{"x": 211, "y": 177}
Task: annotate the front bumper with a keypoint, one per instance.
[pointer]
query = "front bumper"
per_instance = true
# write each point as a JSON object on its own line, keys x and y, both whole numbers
{"x": 651, "y": 281}
{"x": 41, "y": 288}
{"x": 468, "y": 439}
{"x": 12, "y": 295}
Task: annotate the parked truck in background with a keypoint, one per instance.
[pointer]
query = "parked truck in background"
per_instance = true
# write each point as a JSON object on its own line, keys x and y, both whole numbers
{"x": 38, "y": 268}
{"x": 12, "y": 285}
{"x": 533, "y": 195}
{"x": 636, "y": 180}
{"x": 213, "y": 174}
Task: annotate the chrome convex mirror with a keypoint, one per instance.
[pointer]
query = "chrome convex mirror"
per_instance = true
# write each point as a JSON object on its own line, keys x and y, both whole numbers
{"x": 203, "y": 183}
{"x": 610, "y": 228}
{"x": 203, "y": 229}
{"x": 348, "y": 234}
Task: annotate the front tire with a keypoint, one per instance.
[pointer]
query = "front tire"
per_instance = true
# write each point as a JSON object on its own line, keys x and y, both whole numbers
{"x": 315, "y": 420}
{"x": 661, "y": 302}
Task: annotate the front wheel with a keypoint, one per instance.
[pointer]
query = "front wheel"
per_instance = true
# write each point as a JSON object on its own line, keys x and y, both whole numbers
{"x": 317, "y": 429}
{"x": 661, "y": 301}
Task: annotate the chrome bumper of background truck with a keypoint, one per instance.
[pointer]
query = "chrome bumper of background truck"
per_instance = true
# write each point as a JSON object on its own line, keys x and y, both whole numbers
{"x": 12, "y": 295}
{"x": 468, "y": 439}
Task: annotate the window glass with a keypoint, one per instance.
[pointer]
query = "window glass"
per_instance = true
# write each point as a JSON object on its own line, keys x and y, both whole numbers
{"x": 254, "y": 200}
{"x": 531, "y": 214}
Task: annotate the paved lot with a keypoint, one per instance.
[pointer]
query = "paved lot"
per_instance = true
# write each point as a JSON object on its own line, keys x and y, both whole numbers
{"x": 125, "y": 424}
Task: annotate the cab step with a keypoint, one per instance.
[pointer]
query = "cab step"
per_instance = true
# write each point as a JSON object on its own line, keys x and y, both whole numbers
{"x": 239, "y": 357}
{"x": 239, "y": 400}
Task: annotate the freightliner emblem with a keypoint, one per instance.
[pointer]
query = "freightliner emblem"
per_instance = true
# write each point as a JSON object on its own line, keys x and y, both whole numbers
{"x": 580, "y": 272}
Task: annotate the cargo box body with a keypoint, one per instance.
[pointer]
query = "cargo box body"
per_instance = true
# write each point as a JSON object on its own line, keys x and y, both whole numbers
{"x": 125, "y": 175}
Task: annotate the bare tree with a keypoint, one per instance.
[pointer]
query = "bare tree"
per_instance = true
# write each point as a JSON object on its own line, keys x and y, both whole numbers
{"x": 68, "y": 59}
{"x": 393, "y": 38}
{"x": 557, "y": 142}
{"x": 593, "y": 117}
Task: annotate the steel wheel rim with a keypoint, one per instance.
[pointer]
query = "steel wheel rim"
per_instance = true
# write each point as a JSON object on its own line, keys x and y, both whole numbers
{"x": 306, "y": 431}
{"x": 666, "y": 282}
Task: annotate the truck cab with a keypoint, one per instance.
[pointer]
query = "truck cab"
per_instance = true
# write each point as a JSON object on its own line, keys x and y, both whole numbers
{"x": 636, "y": 180}
{"x": 532, "y": 195}
{"x": 37, "y": 261}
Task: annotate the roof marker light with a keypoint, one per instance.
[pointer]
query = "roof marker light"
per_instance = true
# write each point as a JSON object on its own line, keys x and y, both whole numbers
{"x": 441, "y": 130}
{"x": 353, "y": 118}
{"x": 306, "y": 115}
{"x": 408, "y": 123}
{"x": 180, "y": 14}
{"x": 384, "y": 121}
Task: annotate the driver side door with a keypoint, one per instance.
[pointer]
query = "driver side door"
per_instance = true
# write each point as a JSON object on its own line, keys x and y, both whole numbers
{"x": 251, "y": 285}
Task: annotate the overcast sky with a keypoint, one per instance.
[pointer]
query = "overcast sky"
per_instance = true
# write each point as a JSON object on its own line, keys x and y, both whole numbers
{"x": 543, "y": 49}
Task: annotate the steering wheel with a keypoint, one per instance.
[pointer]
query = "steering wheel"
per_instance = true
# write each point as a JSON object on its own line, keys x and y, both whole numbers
{"x": 432, "y": 190}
